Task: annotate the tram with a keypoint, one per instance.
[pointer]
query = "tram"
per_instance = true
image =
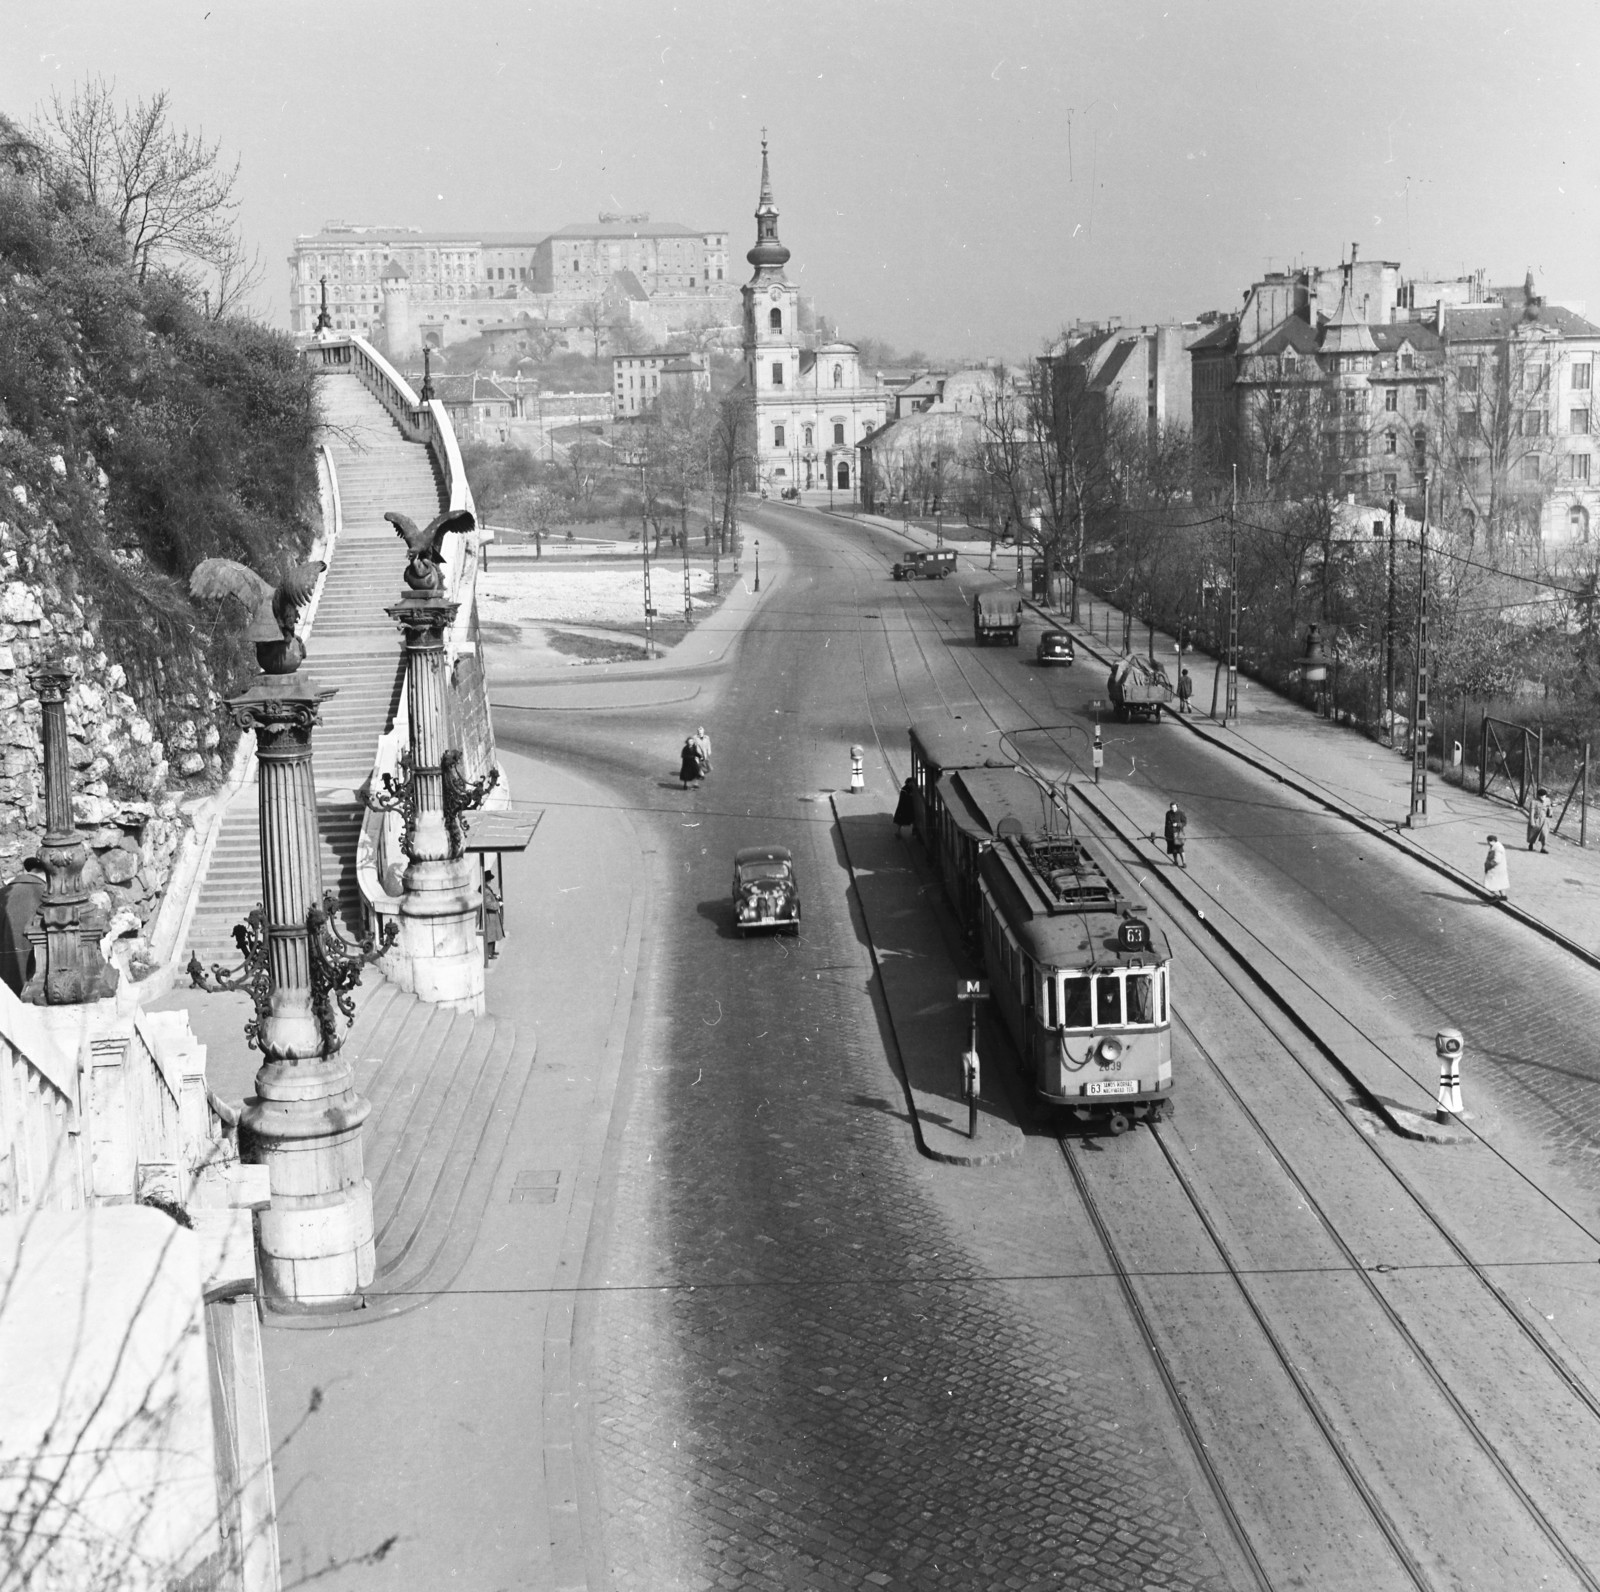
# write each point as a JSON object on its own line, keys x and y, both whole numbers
{"x": 1079, "y": 977}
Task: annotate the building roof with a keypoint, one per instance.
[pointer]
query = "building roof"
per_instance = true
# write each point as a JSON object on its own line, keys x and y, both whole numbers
{"x": 1472, "y": 322}
{"x": 472, "y": 389}
{"x": 416, "y": 238}
{"x": 1389, "y": 336}
{"x": 684, "y": 366}
{"x": 629, "y": 286}
{"x": 394, "y": 269}
{"x": 1291, "y": 332}
{"x": 1347, "y": 333}
{"x": 1112, "y": 365}
{"x": 1223, "y": 336}
{"x": 630, "y": 229}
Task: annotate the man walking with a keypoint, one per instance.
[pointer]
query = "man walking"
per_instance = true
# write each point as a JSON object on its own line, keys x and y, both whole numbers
{"x": 1539, "y": 821}
{"x": 1177, "y": 828}
{"x": 1185, "y": 691}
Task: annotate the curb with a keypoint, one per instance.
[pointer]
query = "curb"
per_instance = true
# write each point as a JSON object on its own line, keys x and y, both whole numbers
{"x": 936, "y": 1136}
{"x": 1372, "y": 826}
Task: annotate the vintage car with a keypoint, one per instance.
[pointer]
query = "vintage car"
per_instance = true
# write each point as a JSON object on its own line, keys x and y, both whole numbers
{"x": 1055, "y": 646}
{"x": 765, "y": 892}
{"x": 926, "y": 564}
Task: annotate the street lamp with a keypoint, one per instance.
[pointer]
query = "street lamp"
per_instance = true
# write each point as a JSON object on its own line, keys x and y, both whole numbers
{"x": 758, "y": 563}
{"x": 810, "y": 458}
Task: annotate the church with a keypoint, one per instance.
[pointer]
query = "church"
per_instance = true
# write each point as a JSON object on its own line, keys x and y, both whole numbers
{"x": 812, "y": 407}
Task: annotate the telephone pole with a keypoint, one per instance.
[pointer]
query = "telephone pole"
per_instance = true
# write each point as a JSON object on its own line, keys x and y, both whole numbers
{"x": 1388, "y": 627}
{"x": 1418, "y": 816}
{"x": 1230, "y": 707}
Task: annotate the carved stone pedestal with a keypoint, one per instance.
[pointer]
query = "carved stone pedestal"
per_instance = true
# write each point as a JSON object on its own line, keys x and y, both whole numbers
{"x": 304, "y": 1124}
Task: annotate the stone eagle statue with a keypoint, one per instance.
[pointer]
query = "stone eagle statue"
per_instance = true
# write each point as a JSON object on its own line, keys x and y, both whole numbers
{"x": 425, "y": 545}
{"x": 274, "y": 610}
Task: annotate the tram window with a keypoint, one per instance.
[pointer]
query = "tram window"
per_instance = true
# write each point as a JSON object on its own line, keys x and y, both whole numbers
{"x": 1141, "y": 998}
{"x": 1076, "y": 1012}
{"x": 1049, "y": 1001}
{"x": 1161, "y": 987}
{"x": 1108, "y": 1001}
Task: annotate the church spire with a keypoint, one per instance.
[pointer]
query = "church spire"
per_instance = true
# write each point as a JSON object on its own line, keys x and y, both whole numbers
{"x": 769, "y": 255}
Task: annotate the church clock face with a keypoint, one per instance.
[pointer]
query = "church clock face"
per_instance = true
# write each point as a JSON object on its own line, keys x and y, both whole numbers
{"x": 775, "y": 295}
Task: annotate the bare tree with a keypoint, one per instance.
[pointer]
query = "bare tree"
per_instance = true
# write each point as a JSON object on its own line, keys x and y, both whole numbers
{"x": 594, "y": 318}
{"x": 169, "y": 191}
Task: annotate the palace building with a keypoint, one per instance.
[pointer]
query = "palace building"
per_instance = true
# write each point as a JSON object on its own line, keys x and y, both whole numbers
{"x": 812, "y": 408}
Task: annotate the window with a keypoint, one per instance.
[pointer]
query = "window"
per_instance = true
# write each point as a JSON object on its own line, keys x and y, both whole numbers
{"x": 1578, "y": 522}
{"x": 1391, "y": 485}
{"x": 1075, "y": 1009}
{"x": 1577, "y": 466}
{"x": 1578, "y": 421}
{"x": 1391, "y": 399}
{"x": 777, "y": 437}
{"x": 1467, "y": 376}
{"x": 1530, "y": 467}
{"x": 808, "y": 436}
{"x": 838, "y": 434}
{"x": 1467, "y": 423}
{"x": 1141, "y": 991}
{"x": 1408, "y": 360}
{"x": 1108, "y": 1001}
{"x": 1391, "y": 443}
{"x": 775, "y": 320}
{"x": 1351, "y": 403}
{"x": 838, "y": 375}
{"x": 1580, "y": 377}
{"x": 777, "y": 372}
{"x": 1422, "y": 400}
{"x": 1533, "y": 423}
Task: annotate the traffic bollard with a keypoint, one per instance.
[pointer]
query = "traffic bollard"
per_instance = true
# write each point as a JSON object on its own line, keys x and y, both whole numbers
{"x": 858, "y": 766}
{"x": 1449, "y": 1044}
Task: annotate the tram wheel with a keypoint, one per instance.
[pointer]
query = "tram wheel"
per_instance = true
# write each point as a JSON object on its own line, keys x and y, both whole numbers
{"x": 1118, "y": 1122}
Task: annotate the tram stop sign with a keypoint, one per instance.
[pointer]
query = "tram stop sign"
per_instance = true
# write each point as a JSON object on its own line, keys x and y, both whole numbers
{"x": 972, "y": 989}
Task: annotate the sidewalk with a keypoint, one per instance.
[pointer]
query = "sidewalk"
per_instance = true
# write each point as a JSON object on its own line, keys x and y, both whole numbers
{"x": 1556, "y": 895}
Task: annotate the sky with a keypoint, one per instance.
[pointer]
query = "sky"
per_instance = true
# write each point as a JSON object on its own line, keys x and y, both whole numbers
{"x": 965, "y": 178}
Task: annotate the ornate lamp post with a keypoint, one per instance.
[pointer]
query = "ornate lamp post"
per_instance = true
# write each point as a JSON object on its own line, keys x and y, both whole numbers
{"x": 439, "y": 953}
{"x": 324, "y": 322}
{"x": 70, "y": 969}
{"x": 304, "y": 1123}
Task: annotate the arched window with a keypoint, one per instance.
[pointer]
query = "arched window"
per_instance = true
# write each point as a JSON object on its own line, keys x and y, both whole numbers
{"x": 775, "y": 320}
{"x": 838, "y": 375}
{"x": 808, "y": 436}
{"x": 1578, "y": 522}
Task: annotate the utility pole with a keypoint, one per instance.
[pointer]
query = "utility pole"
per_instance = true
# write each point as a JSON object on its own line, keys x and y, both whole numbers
{"x": 644, "y": 543}
{"x": 1230, "y": 706}
{"x": 1418, "y": 815}
{"x": 1388, "y": 627}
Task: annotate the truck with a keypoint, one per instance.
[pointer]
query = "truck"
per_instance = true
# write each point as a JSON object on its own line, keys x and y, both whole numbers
{"x": 997, "y": 617}
{"x": 1138, "y": 688}
{"x": 926, "y": 564}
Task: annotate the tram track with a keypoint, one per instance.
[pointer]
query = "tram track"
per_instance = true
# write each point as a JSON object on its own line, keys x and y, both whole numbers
{"x": 1254, "y": 992}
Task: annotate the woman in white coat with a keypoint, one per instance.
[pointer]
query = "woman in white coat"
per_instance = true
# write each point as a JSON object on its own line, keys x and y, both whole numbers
{"x": 1496, "y": 871}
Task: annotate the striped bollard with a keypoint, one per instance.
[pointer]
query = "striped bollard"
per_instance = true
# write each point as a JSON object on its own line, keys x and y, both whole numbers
{"x": 1449, "y": 1044}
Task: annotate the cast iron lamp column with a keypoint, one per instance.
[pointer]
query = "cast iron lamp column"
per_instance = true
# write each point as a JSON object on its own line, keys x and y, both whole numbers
{"x": 69, "y": 969}
{"x": 315, "y": 1242}
{"x": 439, "y": 949}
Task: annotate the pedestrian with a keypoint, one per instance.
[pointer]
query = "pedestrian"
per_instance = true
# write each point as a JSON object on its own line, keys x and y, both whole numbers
{"x": 702, "y": 744}
{"x": 1539, "y": 821}
{"x": 689, "y": 766}
{"x": 1185, "y": 691}
{"x": 1177, "y": 830}
{"x": 905, "y": 810}
{"x": 1497, "y": 871}
{"x": 494, "y": 917}
{"x": 20, "y": 902}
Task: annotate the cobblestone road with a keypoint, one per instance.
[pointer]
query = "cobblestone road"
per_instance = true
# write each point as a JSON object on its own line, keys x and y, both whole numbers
{"x": 801, "y": 1372}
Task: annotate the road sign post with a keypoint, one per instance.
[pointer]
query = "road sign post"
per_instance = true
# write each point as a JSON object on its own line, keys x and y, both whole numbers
{"x": 972, "y": 990}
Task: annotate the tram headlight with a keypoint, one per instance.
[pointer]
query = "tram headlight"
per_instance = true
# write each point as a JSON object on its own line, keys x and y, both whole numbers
{"x": 1110, "y": 1049}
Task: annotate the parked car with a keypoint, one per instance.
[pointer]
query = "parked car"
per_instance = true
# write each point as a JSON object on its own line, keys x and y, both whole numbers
{"x": 926, "y": 564}
{"x": 766, "y": 894}
{"x": 1055, "y": 646}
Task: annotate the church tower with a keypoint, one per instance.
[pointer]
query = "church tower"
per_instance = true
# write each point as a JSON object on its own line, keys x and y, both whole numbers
{"x": 772, "y": 343}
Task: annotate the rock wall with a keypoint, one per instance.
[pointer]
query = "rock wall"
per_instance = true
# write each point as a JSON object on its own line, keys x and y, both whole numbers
{"x": 128, "y": 799}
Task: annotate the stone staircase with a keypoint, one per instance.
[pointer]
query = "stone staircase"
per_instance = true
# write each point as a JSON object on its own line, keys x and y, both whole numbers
{"x": 445, "y": 1087}
{"x": 354, "y": 646}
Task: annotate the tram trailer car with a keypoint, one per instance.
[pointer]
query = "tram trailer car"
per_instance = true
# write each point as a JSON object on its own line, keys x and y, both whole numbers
{"x": 937, "y": 746}
{"x": 1082, "y": 981}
